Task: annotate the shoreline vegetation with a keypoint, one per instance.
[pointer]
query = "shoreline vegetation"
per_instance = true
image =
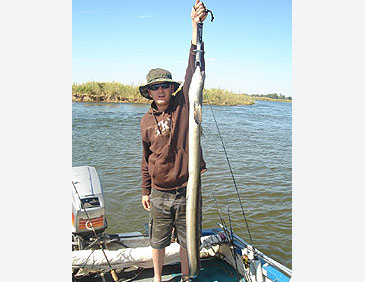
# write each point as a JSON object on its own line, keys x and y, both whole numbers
{"x": 115, "y": 92}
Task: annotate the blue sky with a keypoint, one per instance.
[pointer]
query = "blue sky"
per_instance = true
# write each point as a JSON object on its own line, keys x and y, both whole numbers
{"x": 248, "y": 45}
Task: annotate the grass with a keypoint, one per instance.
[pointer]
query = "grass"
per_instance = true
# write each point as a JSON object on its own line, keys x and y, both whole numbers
{"x": 112, "y": 92}
{"x": 217, "y": 96}
{"x": 115, "y": 92}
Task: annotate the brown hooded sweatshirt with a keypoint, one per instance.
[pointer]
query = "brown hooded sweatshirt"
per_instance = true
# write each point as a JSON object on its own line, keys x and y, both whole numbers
{"x": 165, "y": 139}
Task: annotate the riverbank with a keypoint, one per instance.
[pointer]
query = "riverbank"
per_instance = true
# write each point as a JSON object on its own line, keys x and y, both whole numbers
{"x": 115, "y": 92}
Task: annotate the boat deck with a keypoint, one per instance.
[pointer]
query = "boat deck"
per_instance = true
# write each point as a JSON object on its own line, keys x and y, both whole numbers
{"x": 211, "y": 270}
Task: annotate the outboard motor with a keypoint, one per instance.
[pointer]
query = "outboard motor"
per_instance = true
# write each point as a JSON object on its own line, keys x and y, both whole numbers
{"x": 90, "y": 191}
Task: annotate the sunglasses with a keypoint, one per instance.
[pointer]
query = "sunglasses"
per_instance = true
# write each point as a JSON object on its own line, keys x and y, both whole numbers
{"x": 164, "y": 85}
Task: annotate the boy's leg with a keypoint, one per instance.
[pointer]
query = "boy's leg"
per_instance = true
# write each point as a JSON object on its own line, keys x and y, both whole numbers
{"x": 184, "y": 262}
{"x": 158, "y": 257}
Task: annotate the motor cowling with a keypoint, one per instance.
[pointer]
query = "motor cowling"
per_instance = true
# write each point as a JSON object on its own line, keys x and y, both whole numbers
{"x": 90, "y": 197}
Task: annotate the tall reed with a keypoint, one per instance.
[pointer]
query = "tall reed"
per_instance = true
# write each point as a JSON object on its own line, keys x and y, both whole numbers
{"x": 115, "y": 92}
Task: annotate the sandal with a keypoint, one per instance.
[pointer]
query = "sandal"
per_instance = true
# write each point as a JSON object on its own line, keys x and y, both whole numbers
{"x": 185, "y": 278}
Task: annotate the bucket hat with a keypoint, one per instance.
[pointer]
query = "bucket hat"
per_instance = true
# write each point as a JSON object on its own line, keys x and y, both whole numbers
{"x": 155, "y": 76}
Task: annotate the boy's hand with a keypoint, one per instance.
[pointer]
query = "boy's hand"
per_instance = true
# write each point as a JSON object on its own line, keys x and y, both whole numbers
{"x": 146, "y": 202}
{"x": 198, "y": 12}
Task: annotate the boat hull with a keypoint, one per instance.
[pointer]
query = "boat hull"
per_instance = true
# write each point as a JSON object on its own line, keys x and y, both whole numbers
{"x": 132, "y": 251}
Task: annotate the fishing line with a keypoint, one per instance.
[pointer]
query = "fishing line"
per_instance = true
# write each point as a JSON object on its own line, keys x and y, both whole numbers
{"x": 230, "y": 168}
{"x": 229, "y": 236}
{"x": 232, "y": 244}
{"x": 112, "y": 271}
{"x": 220, "y": 214}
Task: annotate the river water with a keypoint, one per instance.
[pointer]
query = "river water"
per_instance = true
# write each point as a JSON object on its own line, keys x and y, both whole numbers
{"x": 258, "y": 142}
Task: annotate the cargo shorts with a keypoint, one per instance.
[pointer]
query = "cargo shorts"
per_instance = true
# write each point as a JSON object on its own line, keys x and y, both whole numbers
{"x": 168, "y": 210}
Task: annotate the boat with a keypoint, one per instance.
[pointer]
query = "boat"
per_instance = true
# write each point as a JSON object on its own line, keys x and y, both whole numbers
{"x": 99, "y": 256}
